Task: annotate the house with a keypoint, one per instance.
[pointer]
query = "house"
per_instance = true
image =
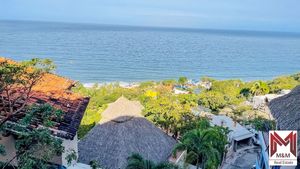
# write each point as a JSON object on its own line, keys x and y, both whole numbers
{"x": 122, "y": 131}
{"x": 262, "y": 100}
{"x": 178, "y": 89}
{"x": 205, "y": 84}
{"x": 193, "y": 82}
{"x": 53, "y": 90}
{"x": 238, "y": 136}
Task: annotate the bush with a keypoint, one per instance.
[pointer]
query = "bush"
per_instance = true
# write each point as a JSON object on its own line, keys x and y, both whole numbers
{"x": 260, "y": 88}
{"x": 296, "y": 77}
{"x": 284, "y": 82}
{"x": 262, "y": 124}
{"x": 182, "y": 80}
{"x": 213, "y": 100}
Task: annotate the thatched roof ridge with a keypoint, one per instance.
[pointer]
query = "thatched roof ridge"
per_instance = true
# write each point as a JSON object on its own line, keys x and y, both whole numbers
{"x": 122, "y": 107}
{"x": 111, "y": 142}
{"x": 286, "y": 110}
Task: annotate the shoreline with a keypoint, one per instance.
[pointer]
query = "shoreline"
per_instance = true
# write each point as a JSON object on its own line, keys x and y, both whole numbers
{"x": 122, "y": 84}
{"x": 129, "y": 84}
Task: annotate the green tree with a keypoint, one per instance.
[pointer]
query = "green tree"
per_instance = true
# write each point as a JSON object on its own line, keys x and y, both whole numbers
{"x": 19, "y": 77}
{"x": 262, "y": 124}
{"x": 182, "y": 80}
{"x": 222, "y": 93}
{"x": 259, "y": 88}
{"x": 213, "y": 100}
{"x": 169, "y": 113}
{"x": 296, "y": 77}
{"x": 230, "y": 89}
{"x": 204, "y": 145}
{"x": 35, "y": 147}
{"x": 196, "y": 123}
{"x": 136, "y": 161}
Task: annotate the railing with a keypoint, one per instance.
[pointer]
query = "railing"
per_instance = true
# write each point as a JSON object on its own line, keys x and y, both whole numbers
{"x": 257, "y": 164}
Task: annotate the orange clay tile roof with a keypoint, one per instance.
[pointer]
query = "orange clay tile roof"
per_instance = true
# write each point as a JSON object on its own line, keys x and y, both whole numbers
{"x": 55, "y": 90}
{"x": 51, "y": 84}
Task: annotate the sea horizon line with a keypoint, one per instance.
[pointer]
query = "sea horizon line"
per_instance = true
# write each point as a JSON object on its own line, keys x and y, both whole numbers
{"x": 159, "y": 28}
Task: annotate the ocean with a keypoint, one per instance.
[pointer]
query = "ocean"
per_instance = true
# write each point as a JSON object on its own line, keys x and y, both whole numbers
{"x": 92, "y": 53}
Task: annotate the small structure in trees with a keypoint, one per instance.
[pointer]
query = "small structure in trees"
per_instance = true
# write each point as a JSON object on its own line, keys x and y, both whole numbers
{"x": 238, "y": 134}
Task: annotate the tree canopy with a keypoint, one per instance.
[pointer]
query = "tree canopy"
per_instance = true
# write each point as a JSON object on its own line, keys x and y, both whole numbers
{"x": 182, "y": 80}
{"x": 205, "y": 145}
{"x": 136, "y": 161}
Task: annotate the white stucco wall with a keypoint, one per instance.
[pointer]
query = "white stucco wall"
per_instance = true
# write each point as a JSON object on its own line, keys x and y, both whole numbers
{"x": 9, "y": 143}
{"x": 180, "y": 161}
{"x": 70, "y": 145}
{"x": 79, "y": 166}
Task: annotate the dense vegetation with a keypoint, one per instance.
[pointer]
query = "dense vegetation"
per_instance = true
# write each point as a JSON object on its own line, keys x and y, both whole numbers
{"x": 261, "y": 124}
{"x": 205, "y": 145}
{"x": 177, "y": 115}
{"x": 174, "y": 113}
{"x": 136, "y": 161}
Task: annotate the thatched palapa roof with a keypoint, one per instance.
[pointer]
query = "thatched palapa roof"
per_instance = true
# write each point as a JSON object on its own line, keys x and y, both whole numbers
{"x": 121, "y": 110}
{"x": 286, "y": 111}
{"x": 121, "y": 132}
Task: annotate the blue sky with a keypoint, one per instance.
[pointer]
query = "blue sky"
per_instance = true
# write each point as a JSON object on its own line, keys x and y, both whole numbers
{"x": 274, "y": 15}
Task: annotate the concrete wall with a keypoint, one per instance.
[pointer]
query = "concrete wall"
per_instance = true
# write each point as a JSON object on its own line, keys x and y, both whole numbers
{"x": 70, "y": 145}
{"x": 180, "y": 161}
{"x": 9, "y": 143}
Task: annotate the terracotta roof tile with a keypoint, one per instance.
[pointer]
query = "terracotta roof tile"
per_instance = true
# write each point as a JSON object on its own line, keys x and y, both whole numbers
{"x": 55, "y": 90}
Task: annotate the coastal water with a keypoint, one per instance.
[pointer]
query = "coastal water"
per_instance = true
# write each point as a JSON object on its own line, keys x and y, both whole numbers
{"x": 102, "y": 53}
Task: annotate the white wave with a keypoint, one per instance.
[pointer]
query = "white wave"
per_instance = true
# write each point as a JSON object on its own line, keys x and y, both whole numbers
{"x": 121, "y": 84}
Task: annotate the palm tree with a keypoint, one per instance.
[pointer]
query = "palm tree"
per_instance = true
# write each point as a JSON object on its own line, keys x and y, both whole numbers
{"x": 259, "y": 88}
{"x": 204, "y": 147}
{"x": 136, "y": 161}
